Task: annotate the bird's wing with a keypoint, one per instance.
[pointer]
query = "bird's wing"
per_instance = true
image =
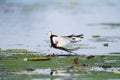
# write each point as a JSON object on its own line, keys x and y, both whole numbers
{"x": 73, "y": 39}
{"x": 61, "y": 41}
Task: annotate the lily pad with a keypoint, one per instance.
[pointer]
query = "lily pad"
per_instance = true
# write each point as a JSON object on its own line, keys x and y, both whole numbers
{"x": 95, "y": 36}
{"x": 38, "y": 59}
{"x": 105, "y": 44}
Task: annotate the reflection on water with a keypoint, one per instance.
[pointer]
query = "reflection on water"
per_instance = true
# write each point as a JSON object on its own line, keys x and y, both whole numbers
{"x": 27, "y": 22}
{"x": 106, "y": 39}
{"x": 35, "y": 71}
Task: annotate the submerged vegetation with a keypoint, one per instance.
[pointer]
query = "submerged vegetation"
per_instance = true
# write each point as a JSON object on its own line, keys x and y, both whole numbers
{"x": 15, "y": 50}
{"x": 110, "y": 25}
{"x": 97, "y": 38}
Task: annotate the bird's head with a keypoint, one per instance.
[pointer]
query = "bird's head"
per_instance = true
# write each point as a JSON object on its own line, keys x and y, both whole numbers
{"x": 50, "y": 33}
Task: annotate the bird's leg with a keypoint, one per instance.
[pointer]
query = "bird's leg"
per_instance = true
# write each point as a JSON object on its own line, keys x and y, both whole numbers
{"x": 48, "y": 50}
{"x": 70, "y": 53}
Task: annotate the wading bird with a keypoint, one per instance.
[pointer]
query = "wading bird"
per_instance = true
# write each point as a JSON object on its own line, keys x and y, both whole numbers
{"x": 59, "y": 42}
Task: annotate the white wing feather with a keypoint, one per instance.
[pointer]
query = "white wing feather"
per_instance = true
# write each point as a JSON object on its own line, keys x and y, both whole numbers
{"x": 60, "y": 41}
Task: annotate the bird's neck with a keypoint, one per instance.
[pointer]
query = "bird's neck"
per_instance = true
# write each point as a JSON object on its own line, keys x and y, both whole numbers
{"x": 51, "y": 40}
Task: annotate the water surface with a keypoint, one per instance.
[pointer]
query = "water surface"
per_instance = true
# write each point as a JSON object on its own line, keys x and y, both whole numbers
{"x": 24, "y": 24}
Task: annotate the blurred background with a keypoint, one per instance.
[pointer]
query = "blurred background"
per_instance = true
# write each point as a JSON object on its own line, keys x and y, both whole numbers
{"x": 24, "y": 23}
